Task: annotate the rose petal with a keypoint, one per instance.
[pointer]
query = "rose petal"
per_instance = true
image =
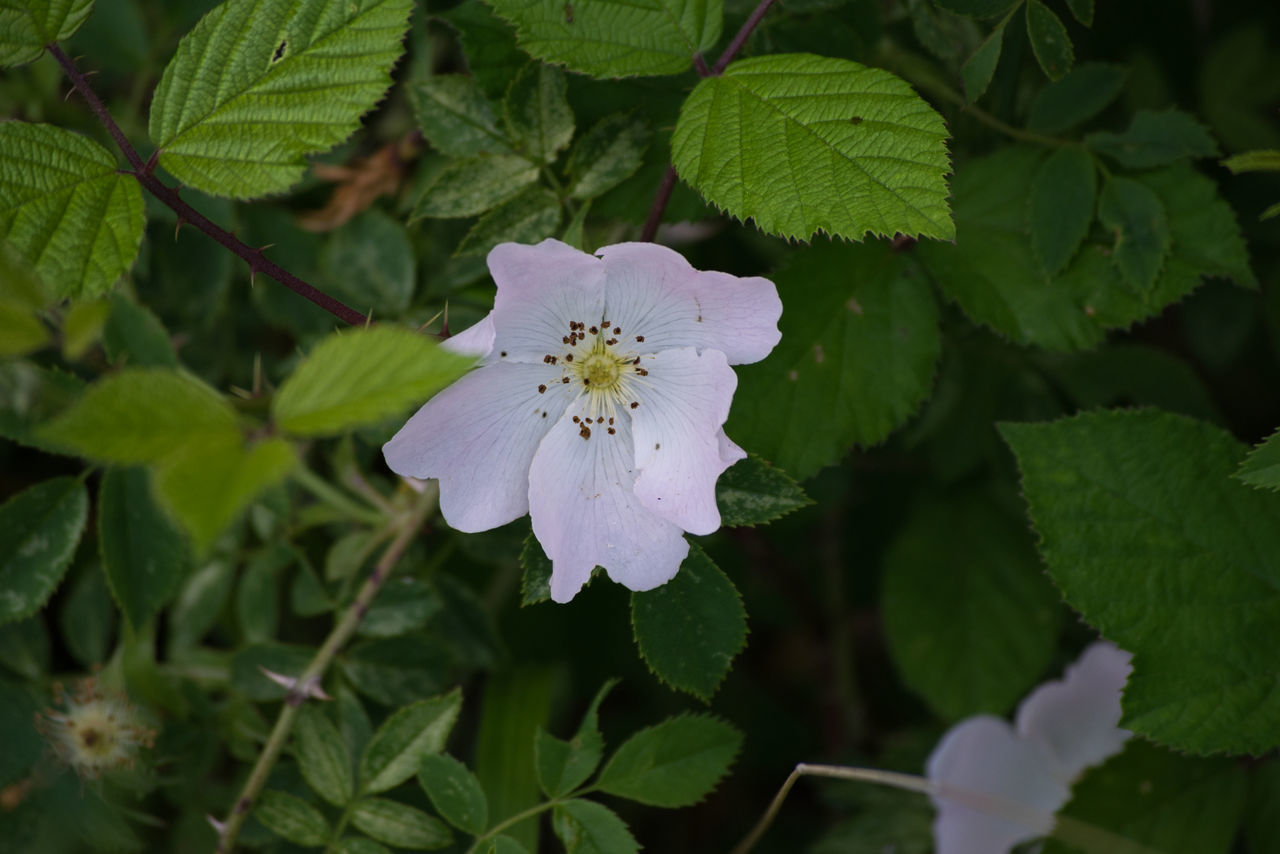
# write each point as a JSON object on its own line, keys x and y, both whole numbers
{"x": 729, "y": 451}
{"x": 475, "y": 340}
{"x": 540, "y": 290}
{"x": 652, "y": 291}
{"x": 677, "y": 428}
{"x": 585, "y": 512}
{"x": 478, "y": 437}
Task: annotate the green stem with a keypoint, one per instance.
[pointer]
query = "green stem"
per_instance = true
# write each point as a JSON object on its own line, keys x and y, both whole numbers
{"x": 335, "y": 498}
{"x": 516, "y": 819}
{"x": 407, "y": 527}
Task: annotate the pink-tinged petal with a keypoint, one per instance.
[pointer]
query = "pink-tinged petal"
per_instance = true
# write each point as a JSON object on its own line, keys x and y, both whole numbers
{"x": 585, "y": 512}
{"x": 1077, "y": 719}
{"x": 478, "y": 437}
{"x": 475, "y": 340}
{"x": 540, "y": 290}
{"x": 993, "y": 790}
{"x": 653, "y": 292}
{"x": 677, "y": 429}
{"x": 730, "y": 453}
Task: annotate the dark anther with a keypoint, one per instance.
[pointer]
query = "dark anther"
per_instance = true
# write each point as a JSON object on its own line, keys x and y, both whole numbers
{"x": 640, "y": 338}
{"x": 542, "y": 389}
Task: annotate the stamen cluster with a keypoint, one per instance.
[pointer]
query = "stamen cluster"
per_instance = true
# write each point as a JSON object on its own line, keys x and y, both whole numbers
{"x": 93, "y": 732}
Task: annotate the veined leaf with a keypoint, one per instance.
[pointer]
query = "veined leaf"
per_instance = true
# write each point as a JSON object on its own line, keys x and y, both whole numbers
{"x": 259, "y": 84}
{"x": 804, "y": 143}
{"x": 1262, "y": 467}
{"x": 399, "y": 824}
{"x": 1049, "y": 40}
{"x": 39, "y": 530}
{"x": 607, "y": 155}
{"x": 530, "y": 216}
{"x": 537, "y": 112}
{"x": 752, "y": 492}
{"x": 1062, "y": 201}
{"x": 586, "y": 827}
{"x": 26, "y": 26}
{"x": 1155, "y": 139}
{"x": 143, "y": 553}
{"x": 674, "y": 764}
{"x": 455, "y": 792}
{"x": 456, "y": 117}
{"x": 981, "y": 66}
{"x": 474, "y": 185}
{"x": 396, "y": 751}
{"x": 1079, "y": 96}
{"x": 66, "y": 209}
{"x": 615, "y": 38}
{"x": 293, "y": 818}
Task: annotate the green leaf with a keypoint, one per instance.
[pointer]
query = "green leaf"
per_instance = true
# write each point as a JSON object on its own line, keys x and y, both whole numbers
{"x": 21, "y": 331}
{"x": 753, "y": 492}
{"x": 803, "y": 143}
{"x": 563, "y": 766}
{"x": 607, "y": 155}
{"x": 82, "y": 326}
{"x": 396, "y": 671}
{"x": 455, "y": 793}
{"x": 1082, "y": 11}
{"x": 489, "y": 44}
{"x": 26, "y": 26}
{"x": 39, "y": 530}
{"x": 142, "y": 415}
{"x": 1160, "y": 800}
{"x": 1080, "y": 95}
{"x": 1062, "y": 202}
{"x": 359, "y": 376}
{"x": 1049, "y": 40}
{"x": 67, "y": 209}
{"x": 690, "y": 629}
{"x": 143, "y": 553}
{"x": 455, "y": 116}
{"x": 369, "y": 263}
{"x": 207, "y": 487}
{"x": 612, "y": 38}
{"x": 586, "y": 827}
{"x": 87, "y": 618}
{"x": 293, "y": 818}
{"x": 527, "y": 218}
{"x": 29, "y": 396}
{"x": 1135, "y": 215}
{"x": 674, "y": 764}
{"x": 361, "y": 845}
{"x": 407, "y": 606}
{"x": 535, "y": 586}
{"x": 134, "y": 334}
{"x": 537, "y": 113}
{"x": 399, "y": 824}
{"x": 978, "y": 8}
{"x": 1148, "y": 536}
{"x": 1262, "y": 821}
{"x": 1253, "y": 161}
{"x": 501, "y": 844}
{"x": 25, "y": 648}
{"x": 474, "y": 185}
{"x": 322, "y": 756}
{"x": 397, "y": 749}
{"x": 971, "y": 620}
{"x": 859, "y": 345}
{"x": 258, "y": 85}
{"x": 1262, "y": 467}
{"x": 981, "y": 67}
{"x": 1155, "y": 138}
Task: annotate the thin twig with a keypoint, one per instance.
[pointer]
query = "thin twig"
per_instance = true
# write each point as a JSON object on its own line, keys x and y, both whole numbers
{"x": 660, "y": 200}
{"x": 741, "y": 38}
{"x": 258, "y": 263}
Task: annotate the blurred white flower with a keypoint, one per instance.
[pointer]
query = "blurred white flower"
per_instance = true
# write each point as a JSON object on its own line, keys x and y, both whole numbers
{"x": 598, "y": 407}
{"x": 94, "y": 732}
{"x": 996, "y": 786}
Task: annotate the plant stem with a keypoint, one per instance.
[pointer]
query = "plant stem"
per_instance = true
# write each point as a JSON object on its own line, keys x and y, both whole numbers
{"x": 335, "y": 498}
{"x": 660, "y": 200}
{"x": 407, "y": 527}
{"x": 187, "y": 214}
{"x": 741, "y": 38}
{"x": 516, "y": 819}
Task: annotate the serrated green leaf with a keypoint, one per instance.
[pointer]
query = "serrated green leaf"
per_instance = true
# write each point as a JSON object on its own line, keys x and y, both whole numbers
{"x": 535, "y": 585}
{"x": 978, "y": 8}
{"x": 1082, "y": 11}
{"x": 474, "y": 185}
{"x": 1135, "y": 215}
{"x": 455, "y": 793}
{"x": 1061, "y": 206}
{"x": 537, "y": 113}
{"x": 258, "y": 85}
{"x": 501, "y": 844}
{"x": 1080, "y": 95}
{"x": 1155, "y": 138}
{"x": 752, "y": 492}
{"x": 690, "y": 629}
{"x": 359, "y": 376}
{"x": 322, "y": 756}
{"x": 1262, "y": 467}
{"x": 400, "y": 824}
{"x": 293, "y": 818}
{"x": 26, "y": 26}
{"x": 361, "y": 845}
{"x": 1156, "y": 799}
{"x": 369, "y": 263}
{"x": 132, "y": 333}
{"x": 397, "y": 671}
{"x": 1253, "y": 161}
{"x": 21, "y": 331}
{"x": 970, "y": 618}
{"x": 143, "y": 553}
{"x": 563, "y": 766}
{"x": 802, "y": 144}
{"x": 607, "y": 155}
{"x": 455, "y": 116}
{"x": 586, "y": 827}
{"x": 39, "y": 530}
{"x": 396, "y": 751}
{"x": 87, "y": 618}
{"x": 981, "y": 67}
{"x": 674, "y": 764}
{"x": 1049, "y": 40}
{"x": 527, "y": 218}
{"x": 1148, "y": 536}
{"x": 407, "y": 606}
{"x": 67, "y": 209}
{"x": 489, "y": 44}
{"x": 856, "y": 359}
{"x": 29, "y": 396}
{"x": 612, "y": 38}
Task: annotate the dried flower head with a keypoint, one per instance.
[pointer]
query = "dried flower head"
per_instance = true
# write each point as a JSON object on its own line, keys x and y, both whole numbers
{"x": 93, "y": 732}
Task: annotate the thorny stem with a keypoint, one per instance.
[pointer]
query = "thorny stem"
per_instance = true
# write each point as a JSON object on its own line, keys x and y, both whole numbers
{"x": 407, "y": 527}
{"x": 741, "y": 38}
{"x": 660, "y": 200}
{"x": 143, "y": 172}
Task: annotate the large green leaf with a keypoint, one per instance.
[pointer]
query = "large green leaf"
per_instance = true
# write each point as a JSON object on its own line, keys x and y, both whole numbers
{"x": 537, "y": 112}
{"x": 359, "y": 376}
{"x": 1062, "y": 203}
{"x": 613, "y": 38}
{"x": 674, "y": 764}
{"x": 143, "y": 553}
{"x": 802, "y": 143}
{"x": 456, "y": 117}
{"x": 67, "y": 209}
{"x": 1151, "y": 539}
{"x": 26, "y": 26}
{"x": 752, "y": 492}
{"x": 39, "y": 530}
{"x": 859, "y": 344}
{"x": 259, "y": 84}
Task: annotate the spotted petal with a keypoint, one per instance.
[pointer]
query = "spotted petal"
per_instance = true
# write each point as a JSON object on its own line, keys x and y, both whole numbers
{"x": 585, "y": 512}
{"x": 653, "y": 291}
{"x": 540, "y": 289}
{"x": 478, "y": 437}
